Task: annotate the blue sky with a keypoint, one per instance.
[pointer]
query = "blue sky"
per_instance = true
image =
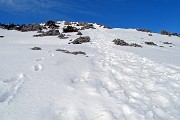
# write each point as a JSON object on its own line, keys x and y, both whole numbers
{"x": 150, "y": 14}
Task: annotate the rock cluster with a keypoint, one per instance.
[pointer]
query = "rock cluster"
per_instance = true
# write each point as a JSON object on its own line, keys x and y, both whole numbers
{"x": 29, "y": 27}
{"x": 144, "y": 30}
{"x": 86, "y": 25}
{"x": 164, "y": 32}
{"x": 79, "y": 33}
{"x": 36, "y": 48}
{"x": 49, "y": 33}
{"x": 74, "y": 53}
{"x": 62, "y": 36}
{"x": 81, "y": 40}
{"x": 51, "y": 24}
{"x": 67, "y": 23}
{"x": 70, "y": 29}
{"x": 123, "y": 43}
{"x": 150, "y": 43}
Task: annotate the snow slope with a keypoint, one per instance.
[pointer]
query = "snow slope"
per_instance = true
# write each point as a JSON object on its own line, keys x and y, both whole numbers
{"x": 110, "y": 83}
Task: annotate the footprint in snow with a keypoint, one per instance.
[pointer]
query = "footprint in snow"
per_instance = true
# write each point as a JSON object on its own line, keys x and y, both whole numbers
{"x": 37, "y": 67}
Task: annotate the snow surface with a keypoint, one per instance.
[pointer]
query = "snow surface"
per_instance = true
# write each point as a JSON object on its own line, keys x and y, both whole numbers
{"x": 110, "y": 83}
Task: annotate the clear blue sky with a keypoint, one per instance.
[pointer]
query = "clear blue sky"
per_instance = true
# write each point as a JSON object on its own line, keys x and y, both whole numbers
{"x": 151, "y": 14}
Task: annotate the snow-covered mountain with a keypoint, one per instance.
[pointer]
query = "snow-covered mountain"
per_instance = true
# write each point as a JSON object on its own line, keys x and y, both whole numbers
{"x": 95, "y": 80}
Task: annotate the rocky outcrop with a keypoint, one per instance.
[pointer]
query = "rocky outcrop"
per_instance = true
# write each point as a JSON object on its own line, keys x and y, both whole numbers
{"x": 49, "y": 33}
{"x": 150, "y": 43}
{"x": 74, "y": 53}
{"x": 79, "y": 33}
{"x": 144, "y": 30}
{"x": 29, "y": 27}
{"x": 62, "y": 36}
{"x": 123, "y": 43}
{"x": 164, "y": 32}
{"x": 81, "y": 40}
{"x": 70, "y": 29}
{"x": 51, "y": 24}
{"x": 67, "y": 23}
{"x": 36, "y": 48}
{"x": 120, "y": 42}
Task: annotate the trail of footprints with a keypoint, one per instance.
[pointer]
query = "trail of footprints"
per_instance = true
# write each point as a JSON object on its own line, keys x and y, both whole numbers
{"x": 39, "y": 66}
{"x": 138, "y": 83}
{"x": 10, "y": 87}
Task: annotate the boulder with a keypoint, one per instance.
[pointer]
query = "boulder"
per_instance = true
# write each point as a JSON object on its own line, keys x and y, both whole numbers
{"x": 81, "y": 40}
{"x": 79, "y": 33}
{"x": 62, "y": 36}
{"x": 49, "y": 33}
{"x": 36, "y": 48}
{"x": 70, "y": 29}
{"x": 150, "y": 43}
{"x": 51, "y": 24}
{"x": 120, "y": 42}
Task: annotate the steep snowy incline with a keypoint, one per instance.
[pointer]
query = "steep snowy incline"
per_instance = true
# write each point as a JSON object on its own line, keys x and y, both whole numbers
{"x": 108, "y": 83}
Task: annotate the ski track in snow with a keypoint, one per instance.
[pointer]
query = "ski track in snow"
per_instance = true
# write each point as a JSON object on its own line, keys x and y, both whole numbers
{"x": 145, "y": 89}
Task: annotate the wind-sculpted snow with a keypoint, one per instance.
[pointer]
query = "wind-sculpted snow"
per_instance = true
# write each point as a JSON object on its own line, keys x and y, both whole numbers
{"x": 113, "y": 83}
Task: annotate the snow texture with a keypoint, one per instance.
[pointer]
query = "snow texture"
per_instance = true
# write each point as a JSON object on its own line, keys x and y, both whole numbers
{"x": 111, "y": 83}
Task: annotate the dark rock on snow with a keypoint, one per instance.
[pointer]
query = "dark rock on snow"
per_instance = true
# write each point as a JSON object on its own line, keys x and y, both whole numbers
{"x": 123, "y": 43}
{"x": 150, "y": 43}
{"x": 79, "y": 33}
{"x": 62, "y": 36}
{"x": 49, "y": 33}
{"x": 81, "y": 40}
{"x": 74, "y": 53}
{"x": 36, "y": 48}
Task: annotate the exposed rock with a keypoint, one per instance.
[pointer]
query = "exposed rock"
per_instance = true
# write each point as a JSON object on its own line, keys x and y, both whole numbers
{"x": 150, "y": 34}
{"x": 79, "y": 33}
{"x": 49, "y": 33}
{"x": 81, "y": 40}
{"x": 1, "y": 36}
{"x": 83, "y": 23}
{"x": 67, "y": 23}
{"x": 29, "y": 27}
{"x": 144, "y": 30}
{"x": 78, "y": 52}
{"x": 51, "y": 24}
{"x": 163, "y": 32}
{"x": 40, "y": 31}
{"x": 70, "y": 29}
{"x": 62, "y": 36}
{"x": 36, "y": 48}
{"x": 74, "y": 53}
{"x": 123, "y": 43}
{"x": 120, "y": 42}
{"x": 107, "y": 27}
{"x": 135, "y": 45}
{"x": 167, "y": 43}
{"x": 150, "y": 43}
